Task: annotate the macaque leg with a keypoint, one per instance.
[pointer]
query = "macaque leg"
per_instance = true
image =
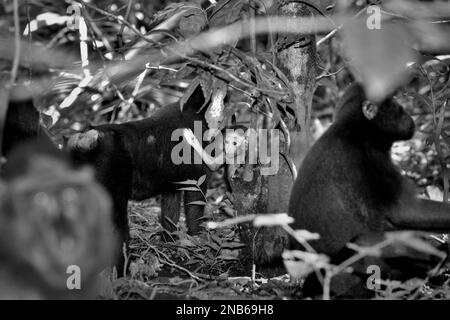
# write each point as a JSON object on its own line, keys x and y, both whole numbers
{"x": 193, "y": 212}
{"x": 422, "y": 214}
{"x": 170, "y": 210}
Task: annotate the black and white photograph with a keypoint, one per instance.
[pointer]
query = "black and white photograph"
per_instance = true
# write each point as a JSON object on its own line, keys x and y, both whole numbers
{"x": 235, "y": 157}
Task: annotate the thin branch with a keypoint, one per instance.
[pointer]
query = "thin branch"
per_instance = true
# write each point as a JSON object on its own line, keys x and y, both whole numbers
{"x": 15, "y": 66}
{"x": 122, "y": 27}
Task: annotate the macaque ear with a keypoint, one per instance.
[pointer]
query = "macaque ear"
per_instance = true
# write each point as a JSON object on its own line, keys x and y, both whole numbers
{"x": 369, "y": 109}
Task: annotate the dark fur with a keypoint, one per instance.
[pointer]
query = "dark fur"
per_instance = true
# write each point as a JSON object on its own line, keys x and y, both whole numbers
{"x": 22, "y": 124}
{"x": 347, "y": 183}
{"x": 24, "y": 238}
{"x": 348, "y": 186}
{"x": 133, "y": 161}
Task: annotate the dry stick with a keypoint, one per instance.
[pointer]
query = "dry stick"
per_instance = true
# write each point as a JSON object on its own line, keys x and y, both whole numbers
{"x": 308, "y": 248}
{"x": 231, "y": 222}
{"x": 334, "y": 31}
{"x": 344, "y": 265}
{"x": 30, "y": 40}
{"x": 125, "y": 107}
{"x": 95, "y": 31}
{"x": 84, "y": 54}
{"x": 174, "y": 265}
{"x": 234, "y": 77}
{"x": 15, "y": 66}
{"x": 325, "y": 75}
{"x": 54, "y": 39}
{"x": 169, "y": 262}
{"x": 131, "y": 53}
{"x": 226, "y": 35}
{"x": 120, "y": 20}
{"x": 122, "y": 27}
{"x": 251, "y": 5}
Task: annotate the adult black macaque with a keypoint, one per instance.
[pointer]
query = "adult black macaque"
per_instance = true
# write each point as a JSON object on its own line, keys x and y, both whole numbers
{"x": 347, "y": 185}
{"x": 52, "y": 217}
{"x": 133, "y": 162}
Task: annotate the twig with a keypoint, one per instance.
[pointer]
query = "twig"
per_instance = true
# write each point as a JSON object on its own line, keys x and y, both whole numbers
{"x": 334, "y": 31}
{"x": 325, "y": 75}
{"x": 170, "y": 263}
{"x": 269, "y": 92}
{"x": 122, "y": 27}
{"x": 120, "y": 20}
{"x": 231, "y": 222}
{"x": 15, "y": 66}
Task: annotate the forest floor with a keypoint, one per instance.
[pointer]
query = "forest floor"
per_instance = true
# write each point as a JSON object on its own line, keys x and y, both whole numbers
{"x": 208, "y": 266}
{"x": 205, "y": 267}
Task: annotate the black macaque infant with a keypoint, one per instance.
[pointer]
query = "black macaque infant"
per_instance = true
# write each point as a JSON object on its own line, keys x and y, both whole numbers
{"x": 348, "y": 186}
{"x": 133, "y": 161}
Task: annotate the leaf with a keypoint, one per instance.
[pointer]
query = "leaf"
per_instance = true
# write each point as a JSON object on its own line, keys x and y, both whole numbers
{"x": 189, "y": 91}
{"x": 201, "y": 180}
{"x": 242, "y": 281}
{"x": 371, "y": 251}
{"x": 189, "y": 189}
{"x": 188, "y": 182}
{"x": 192, "y": 261}
{"x": 184, "y": 72}
{"x": 228, "y": 211}
{"x": 198, "y": 203}
{"x": 215, "y": 113}
{"x": 435, "y": 193}
{"x": 193, "y": 21}
{"x": 227, "y": 257}
{"x": 421, "y": 100}
{"x": 275, "y": 112}
{"x": 214, "y": 246}
{"x": 215, "y": 238}
{"x": 232, "y": 245}
{"x": 206, "y": 81}
{"x": 225, "y": 12}
{"x": 186, "y": 243}
{"x": 378, "y": 57}
{"x": 168, "y": 11}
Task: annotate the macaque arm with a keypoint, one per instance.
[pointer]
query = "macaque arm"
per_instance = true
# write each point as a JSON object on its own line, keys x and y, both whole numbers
{"x": 211, "y": 162}
{"x": 422, "y": 214}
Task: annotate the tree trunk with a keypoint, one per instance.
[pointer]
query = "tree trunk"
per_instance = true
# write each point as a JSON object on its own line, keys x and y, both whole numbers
{"x": 297, "y": 60}
{"x": 296, "y": 56}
